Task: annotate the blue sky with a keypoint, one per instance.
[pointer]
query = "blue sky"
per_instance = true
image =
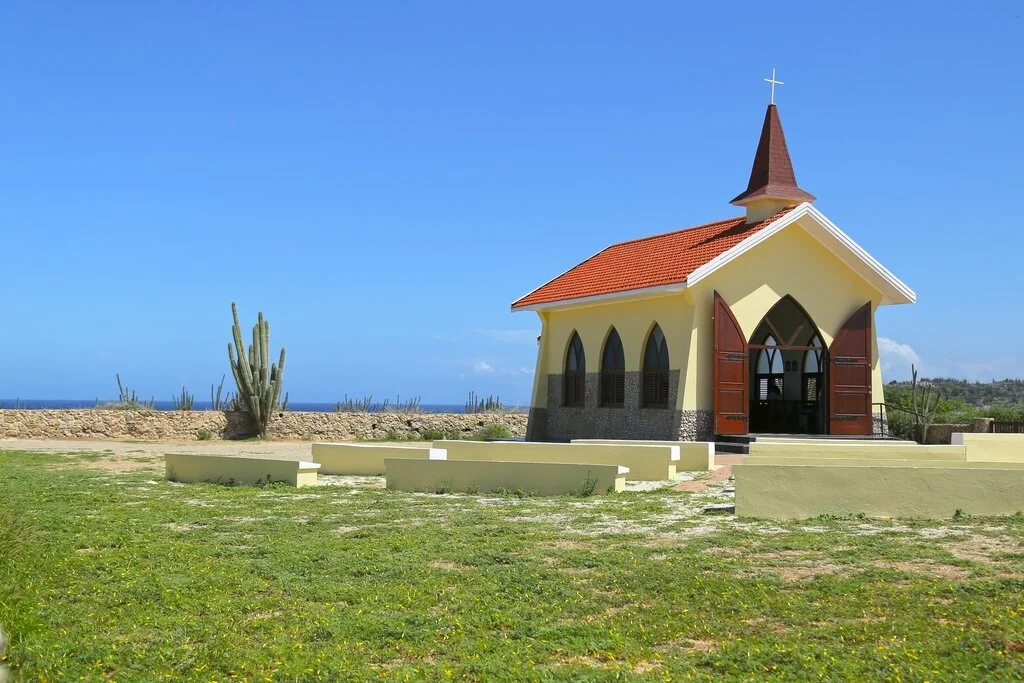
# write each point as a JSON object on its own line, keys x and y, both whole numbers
{"x": 383, "y": 179}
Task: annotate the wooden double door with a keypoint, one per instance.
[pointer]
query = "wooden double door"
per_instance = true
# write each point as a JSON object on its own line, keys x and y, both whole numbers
{"x": 847, "y": 375}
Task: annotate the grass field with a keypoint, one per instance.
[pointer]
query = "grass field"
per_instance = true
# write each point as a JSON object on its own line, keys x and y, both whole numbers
{"x": 124, "y": 576}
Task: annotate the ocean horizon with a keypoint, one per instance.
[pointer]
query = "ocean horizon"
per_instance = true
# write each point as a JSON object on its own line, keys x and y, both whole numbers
{"x": 311, "y": 407}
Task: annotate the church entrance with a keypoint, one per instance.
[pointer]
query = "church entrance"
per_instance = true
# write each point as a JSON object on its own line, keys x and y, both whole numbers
{"x": 786, "y": 373}
{"x": 783, "y": 380}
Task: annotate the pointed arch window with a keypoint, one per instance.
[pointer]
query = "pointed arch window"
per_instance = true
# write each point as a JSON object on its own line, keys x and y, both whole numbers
{"x": 770, "y": 369}
{"x": 574, "y": 387}
{"x": 613, "y": 372}
{"x": 813, "y": 370}
{"x": 655, "y": 372}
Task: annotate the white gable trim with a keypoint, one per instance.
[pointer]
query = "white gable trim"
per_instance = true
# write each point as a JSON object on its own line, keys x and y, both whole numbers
{"x": 894, "y": 291}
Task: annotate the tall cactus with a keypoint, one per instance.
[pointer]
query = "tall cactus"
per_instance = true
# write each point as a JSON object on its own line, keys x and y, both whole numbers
{"x": 259, "y": 382}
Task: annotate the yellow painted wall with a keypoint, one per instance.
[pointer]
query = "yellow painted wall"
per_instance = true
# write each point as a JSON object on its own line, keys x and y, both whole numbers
{"x": 231, "y": 469}
{"x": 803, "y": 491}
{"x": 645, "y": 462}
{"x": 863, "y": 461}
{"x": 992, "y": 447}
{"x": 790, "y": 262}
{"x": 633, "y": 320}
{"x": 694, "y": 456}
{"x": 841, "y": 449}
{"x": 485, "y": 476}
{"x": 364, "y": 459}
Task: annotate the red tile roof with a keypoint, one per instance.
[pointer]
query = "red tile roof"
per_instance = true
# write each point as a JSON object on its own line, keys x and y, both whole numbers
{"x": 648, "y": 262}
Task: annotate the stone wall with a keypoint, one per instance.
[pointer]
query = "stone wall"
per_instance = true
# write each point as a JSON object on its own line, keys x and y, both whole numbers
{"x": 559, "y": 422}
{"x": 187, "y": 425}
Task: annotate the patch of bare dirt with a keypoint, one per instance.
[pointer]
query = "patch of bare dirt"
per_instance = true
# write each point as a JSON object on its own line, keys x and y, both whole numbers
{"x": 109, "y": 462}
{"x": 646, "y": 666}
{"x": 984, "y": 549}
{"x": 696, "y": 644}
{"x": 772, "y": 624}
{"x": 928, "y": 568}
{"x": 806, "y": 571}
{"x": 449, "y": 566}
{"x": 569, "y": 544}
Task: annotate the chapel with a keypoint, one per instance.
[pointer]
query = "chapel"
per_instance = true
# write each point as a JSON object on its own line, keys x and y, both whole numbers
{"x": 758, "y": 324}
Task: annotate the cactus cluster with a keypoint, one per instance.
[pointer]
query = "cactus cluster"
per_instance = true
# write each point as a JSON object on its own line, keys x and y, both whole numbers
{"x": 259, "y": 381}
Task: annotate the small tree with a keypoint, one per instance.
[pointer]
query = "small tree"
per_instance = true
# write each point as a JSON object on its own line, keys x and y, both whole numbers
{"x": 258, "y": 381}
{"x": 925, "y": 404}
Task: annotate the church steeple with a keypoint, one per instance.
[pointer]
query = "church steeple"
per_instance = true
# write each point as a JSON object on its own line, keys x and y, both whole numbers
{"x": 772, "y": 185}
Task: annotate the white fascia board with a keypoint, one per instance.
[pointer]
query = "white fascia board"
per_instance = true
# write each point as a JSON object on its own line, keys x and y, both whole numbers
{"x": 894, "y": 291}
{"x": 539, "y": 306}
{"x": 604, "y": 298}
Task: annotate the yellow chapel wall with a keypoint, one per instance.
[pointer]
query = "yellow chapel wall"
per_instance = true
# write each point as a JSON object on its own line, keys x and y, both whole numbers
{"x": 790, "y": 262}
{"x": 633, "y": 320}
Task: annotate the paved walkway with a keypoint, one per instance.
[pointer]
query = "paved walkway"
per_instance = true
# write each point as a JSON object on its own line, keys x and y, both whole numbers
{"x": 723, "y": 464}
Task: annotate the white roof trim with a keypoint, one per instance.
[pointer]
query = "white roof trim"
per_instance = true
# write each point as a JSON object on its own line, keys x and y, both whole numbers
{"x": 894, "y": 290}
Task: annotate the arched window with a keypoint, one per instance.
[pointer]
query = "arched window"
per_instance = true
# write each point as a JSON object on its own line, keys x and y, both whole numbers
{"x": 574, "y": 389}
{"x": 813, "y": 370}
{"x": 655, "y": 374}
{"x": 613, "y": 372}
{"x": 769, "y": 370}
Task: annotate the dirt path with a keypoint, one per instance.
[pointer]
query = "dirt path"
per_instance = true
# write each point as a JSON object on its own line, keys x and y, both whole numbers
{"x": 284, "y": 449}
{"x": 723, "y": 472}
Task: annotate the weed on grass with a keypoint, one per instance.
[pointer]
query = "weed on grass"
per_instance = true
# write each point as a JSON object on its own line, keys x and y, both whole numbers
{"x": 126, "y": 576}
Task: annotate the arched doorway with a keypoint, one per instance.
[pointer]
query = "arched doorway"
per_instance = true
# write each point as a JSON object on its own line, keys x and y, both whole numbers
{"x": 787, "y": 361}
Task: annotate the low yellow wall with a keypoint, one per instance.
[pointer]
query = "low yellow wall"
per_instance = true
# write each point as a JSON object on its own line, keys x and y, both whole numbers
{"x": 877, "y": 462}
{"x": 645, "y": 463}
{"x": 483, "y": 476}
{"x": 227, "y": 469}
{"x": 992, "y": 447}
{"x": 832, "y": 442}
{"x": 841, "y": 449}
{"x": 693, "y": 455}
{"x": 933, "y": 492}
{"x": 365, "y": 459}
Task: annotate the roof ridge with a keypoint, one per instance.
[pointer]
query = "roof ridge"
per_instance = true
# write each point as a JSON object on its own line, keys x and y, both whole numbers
{"x": 674, "y": 232}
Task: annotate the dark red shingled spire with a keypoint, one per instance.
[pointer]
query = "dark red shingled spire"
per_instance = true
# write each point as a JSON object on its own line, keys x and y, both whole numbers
{"x": 772, "y": 176}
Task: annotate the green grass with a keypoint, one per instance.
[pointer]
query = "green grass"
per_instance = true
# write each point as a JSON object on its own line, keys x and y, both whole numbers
{"x": 129, "y": 577}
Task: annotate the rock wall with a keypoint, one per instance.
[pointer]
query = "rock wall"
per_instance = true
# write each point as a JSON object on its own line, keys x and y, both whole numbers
{"x": 188, "y": 425}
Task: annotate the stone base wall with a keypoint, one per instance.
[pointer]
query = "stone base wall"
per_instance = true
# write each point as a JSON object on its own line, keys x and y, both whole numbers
{"x": 558, "y": 422}
{"x": 697, "y": 425}
{"x": 187, "y": 425}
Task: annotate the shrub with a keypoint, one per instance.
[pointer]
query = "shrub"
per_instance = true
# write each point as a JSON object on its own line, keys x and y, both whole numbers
{"x": 204, "y": 434}
{"x": 493, "y": 430}
{"x": 434, "y": 434}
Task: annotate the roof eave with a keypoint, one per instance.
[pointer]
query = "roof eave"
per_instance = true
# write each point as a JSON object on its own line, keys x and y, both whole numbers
{"x": 637, "y": 293}
{"x": 794, "y": 194}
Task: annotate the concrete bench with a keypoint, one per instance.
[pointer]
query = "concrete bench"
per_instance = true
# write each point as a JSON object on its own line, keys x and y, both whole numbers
{"x": 645, "y": 463}
{"x": 933, "y": 491}
{"x": 365, "y": 459}
{"x": 694, "y": 456}
{"x": 485, "y": 476}
{"x": 228, "y": 469}
{"x": 991, "y": 447}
